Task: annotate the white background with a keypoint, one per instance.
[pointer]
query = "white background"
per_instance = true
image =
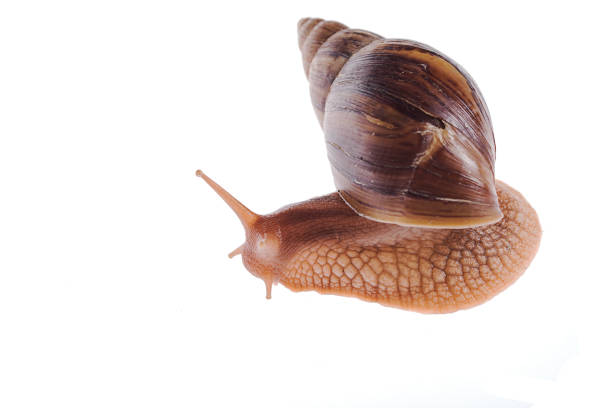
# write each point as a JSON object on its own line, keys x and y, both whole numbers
{"x": 115, "y": 287}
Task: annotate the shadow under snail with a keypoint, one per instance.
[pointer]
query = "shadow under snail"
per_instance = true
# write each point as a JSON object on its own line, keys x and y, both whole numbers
{"x": 419, "y": 221}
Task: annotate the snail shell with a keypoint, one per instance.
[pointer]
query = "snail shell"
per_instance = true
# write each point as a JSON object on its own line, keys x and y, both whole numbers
{"x": 408, "y": 133}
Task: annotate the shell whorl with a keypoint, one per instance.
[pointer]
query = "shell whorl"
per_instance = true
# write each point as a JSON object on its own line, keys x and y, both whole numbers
{"x": 312, "y": 33}
{"x": 408, "y": 133}
{"x": 326, "y": 46}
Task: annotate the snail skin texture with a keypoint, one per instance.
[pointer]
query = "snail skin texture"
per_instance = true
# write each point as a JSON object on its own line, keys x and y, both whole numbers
{"x": 419, "y": 221}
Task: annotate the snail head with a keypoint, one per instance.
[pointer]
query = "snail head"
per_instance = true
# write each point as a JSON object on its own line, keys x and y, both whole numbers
{"x": 261, "y": 250}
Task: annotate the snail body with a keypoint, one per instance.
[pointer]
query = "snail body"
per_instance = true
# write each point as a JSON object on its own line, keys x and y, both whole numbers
{"x": 418, "y": 221}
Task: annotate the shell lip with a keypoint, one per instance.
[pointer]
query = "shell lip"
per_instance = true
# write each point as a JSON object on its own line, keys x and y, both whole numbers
{"x": 422, "y": 220}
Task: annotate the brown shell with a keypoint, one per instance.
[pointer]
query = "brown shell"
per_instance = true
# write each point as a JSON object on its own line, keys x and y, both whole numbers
{"x": 408, "y": 133}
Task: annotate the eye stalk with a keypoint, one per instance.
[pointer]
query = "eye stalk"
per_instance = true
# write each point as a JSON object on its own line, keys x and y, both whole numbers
{"x": 246, "y": 216}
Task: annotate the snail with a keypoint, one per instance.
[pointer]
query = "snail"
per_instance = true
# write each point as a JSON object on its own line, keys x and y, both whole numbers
{"x": 418, "y": 221}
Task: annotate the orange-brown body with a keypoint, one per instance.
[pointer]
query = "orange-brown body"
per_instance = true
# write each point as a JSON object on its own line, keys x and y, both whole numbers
{"x": 324, "y": 246}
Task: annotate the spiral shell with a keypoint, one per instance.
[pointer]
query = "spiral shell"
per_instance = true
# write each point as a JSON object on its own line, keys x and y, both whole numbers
{"x": 408, "y": 133}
